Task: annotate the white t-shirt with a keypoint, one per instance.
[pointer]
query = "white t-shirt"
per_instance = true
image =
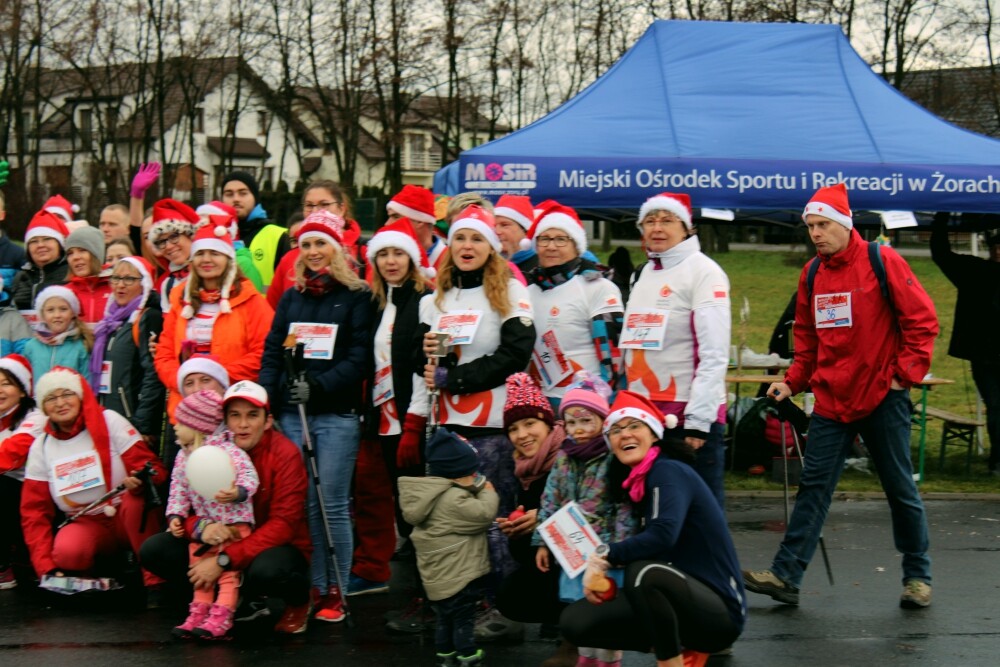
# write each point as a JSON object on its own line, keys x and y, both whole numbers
{"x": 563, "y": 322}
{"x": 483, "y": 408}
{"x": 690, "y": 366}
{"x": 388, "y": 414}
{"x": 47, "y": 453}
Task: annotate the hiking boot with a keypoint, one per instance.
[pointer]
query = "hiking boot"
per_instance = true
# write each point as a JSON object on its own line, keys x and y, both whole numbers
{"x": 416, "y": 617}
{"x": 447, "y": 659}
{"x": 252, "y": 610}
{"x": 197, "y": 613}
{"x": 295, "y": 618}
{"x": 766, "y": 582}
{"x": 360, "y": 586}
{"x": 916, "y": 594}
{"x": 694, "y": 658}
{"x": 7, "y": 579}
{"x": 217, "y": 625}
{"x": 330, "y": 608}
{"x": 471, "y": 660}
{"x": 493, "y": 626}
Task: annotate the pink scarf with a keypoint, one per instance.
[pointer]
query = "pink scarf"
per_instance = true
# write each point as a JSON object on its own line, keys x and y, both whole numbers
{"x": 635, "y": 483}
{"x": 527, "y": 470}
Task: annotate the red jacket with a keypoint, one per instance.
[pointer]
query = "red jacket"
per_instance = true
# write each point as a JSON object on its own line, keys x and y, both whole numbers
{"x": 279, "y": 505}
{"x": 93, "y": 293}
{"x": 38, "y": 509}
{"x": 850, "y": 368}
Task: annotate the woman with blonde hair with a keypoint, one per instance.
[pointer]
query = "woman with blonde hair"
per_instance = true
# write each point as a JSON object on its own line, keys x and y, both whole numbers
{"x": 329, "y": 312}
{"x": 488, "y": 315}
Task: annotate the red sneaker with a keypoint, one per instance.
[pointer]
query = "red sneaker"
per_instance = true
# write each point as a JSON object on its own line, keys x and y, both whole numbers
{"x": 331, "y": 607}
{"x": 295, "y": 619}
{"x": 7, "y": 580}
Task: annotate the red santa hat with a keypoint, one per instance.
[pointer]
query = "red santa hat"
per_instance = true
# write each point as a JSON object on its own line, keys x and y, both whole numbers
{"x": 45, "y": 223}
{"x": 145, "y": 270}
{"x": 556, "y": 216}
{"x": 517, "y": 208}
{"x": 477, "y": 219}
{"x": 218, "y": 213}
{"x": 170, "y": 215}
{"x": 322, "y": 224}
{"x": 20, "y": 368}
{"x": 205, "y": 364}
{"x": 216, "y": 238}
{"x": 60, "y": 206}
{"x": 672, "y": 202}
{"x": 831, "y": 203}
{"x": 414, "y": 202}
{"x": 58, "y": 292}
{"x": 400, "y": 234}
{"x": 630, "y": 404}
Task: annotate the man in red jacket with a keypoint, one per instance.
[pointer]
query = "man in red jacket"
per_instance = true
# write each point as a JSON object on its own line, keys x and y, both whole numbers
{"x": 275, "y": 557}
{"x": 860, "y": 352}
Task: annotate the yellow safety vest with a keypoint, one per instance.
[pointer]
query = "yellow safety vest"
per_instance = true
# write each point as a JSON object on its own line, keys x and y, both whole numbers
{"x": 264, "y": 249}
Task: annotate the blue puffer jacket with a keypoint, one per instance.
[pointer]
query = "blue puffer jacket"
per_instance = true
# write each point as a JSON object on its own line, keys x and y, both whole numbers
{"x": 336, "y": 384}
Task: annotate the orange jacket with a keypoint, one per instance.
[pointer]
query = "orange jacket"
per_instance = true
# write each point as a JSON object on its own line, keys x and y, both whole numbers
{"x": 237, "y": 338}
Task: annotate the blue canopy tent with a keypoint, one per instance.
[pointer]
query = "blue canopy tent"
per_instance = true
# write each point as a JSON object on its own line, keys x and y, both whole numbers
{"x": 738, "y": 115}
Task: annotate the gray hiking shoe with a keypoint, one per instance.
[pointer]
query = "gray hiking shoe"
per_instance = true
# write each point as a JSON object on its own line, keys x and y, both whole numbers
{"x": 766, "y": 582}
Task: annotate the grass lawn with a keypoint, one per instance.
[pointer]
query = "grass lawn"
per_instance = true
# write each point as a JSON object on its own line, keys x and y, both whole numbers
{"x": 767, "y": 280}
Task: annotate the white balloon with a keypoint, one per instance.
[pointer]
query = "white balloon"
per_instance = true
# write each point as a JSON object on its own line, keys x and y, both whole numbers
{"x": 210, "y": 470}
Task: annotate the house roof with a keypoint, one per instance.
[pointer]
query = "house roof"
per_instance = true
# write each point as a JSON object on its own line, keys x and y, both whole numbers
{"x": 966, "y": 96}
{"x": 237, "y": 147}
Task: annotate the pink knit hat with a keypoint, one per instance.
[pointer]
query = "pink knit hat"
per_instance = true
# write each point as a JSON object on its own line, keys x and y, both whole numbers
{"x": 201, "y": 411}
{"x": 589, "y": 392}
{"x": 525, "y": 400}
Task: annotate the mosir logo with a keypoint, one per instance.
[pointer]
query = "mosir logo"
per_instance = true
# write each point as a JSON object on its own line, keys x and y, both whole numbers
{"x": 500, "y": 176}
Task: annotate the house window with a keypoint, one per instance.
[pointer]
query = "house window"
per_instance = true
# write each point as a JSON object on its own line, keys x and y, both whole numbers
{"x": 111, "y": 120}
{"x": 232, "y": 118}
{"x": 418, "y": 153}
{"x": 198, "y": 120}
{"x": 262, "y": 122}
{"x": 86, "y": 127}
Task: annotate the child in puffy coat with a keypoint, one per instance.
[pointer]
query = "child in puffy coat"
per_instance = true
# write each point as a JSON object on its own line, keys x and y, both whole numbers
{"x": 451, "y": 510}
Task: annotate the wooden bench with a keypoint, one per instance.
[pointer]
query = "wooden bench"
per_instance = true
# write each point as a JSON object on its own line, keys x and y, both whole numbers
{"x": 957, "y": 430}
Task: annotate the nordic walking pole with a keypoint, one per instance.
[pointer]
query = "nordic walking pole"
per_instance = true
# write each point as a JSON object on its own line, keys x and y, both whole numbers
{"x": 784, "y": 458}
{"x": 434, "y": 359}
{"x": 294, "y": 354}
{"x": 822, "y": 542}
{"x": 142, "y": 475}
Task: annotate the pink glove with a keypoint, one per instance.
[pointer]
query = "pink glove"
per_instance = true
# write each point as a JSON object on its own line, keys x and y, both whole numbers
{"x": 144, "y": 178}
{"x": 408, "y": 452}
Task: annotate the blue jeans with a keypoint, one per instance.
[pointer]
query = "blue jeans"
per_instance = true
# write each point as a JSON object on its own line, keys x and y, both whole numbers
{"x": 886, "y": 432}
{"x": 335, "y": 440}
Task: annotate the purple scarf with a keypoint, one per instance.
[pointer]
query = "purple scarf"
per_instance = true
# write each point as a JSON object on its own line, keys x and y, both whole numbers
{"x": 585, "y": 451}
{"x": 635, "y": 483}
{"x": 113, "y": 318}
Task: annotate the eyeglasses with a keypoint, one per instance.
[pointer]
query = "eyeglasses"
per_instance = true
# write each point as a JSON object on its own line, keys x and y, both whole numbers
{"x": 55, "y": 398}
{"x": 127, "y": 280}
{"x": 663, "y": 221}
{"x": 173, "y": 239}
{"x": 557, "y": 241}
{"x": 322, "y": 204}
{"x": 631, "y": 427}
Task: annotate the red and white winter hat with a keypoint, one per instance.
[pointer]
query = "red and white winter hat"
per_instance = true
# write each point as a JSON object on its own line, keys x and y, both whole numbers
{"x": 414, "y": 202}
{"x": 217, "y": 239}
{"x": 322, "y": 224}
{"x": 400, "y": 234}
{"x": 831, "y": 203}
{"x": 525, "y": 401}
{"x": 477, "y": 219}
{"x": 630, "y": 404}
{"x": 145, "y": 270}
{"x": 20, "y": 368}
{"x": 672, "y": 202}
{"x": 248, "y": 391}
{"x": 557, "y": 216}
{"x": 218, "y": 213}
{"x": 517, "y": 208}
{"x": 60, "y": 206}
{"x": 59, "y": 377}
{"x": 47, "y": 224}
{"x": 58, "y": 292}
{"x": 169, "y": 216}
{"x": 205, "y": 364}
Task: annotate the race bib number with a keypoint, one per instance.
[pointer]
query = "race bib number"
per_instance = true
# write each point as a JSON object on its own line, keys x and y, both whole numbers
{"x": 551, "y": 363}
{"x": 461, "y": 325}
{"x": 833, "y": 310}
{"x": 570, "y": 537}
{"x": 382, "y": 391}
{"x": 319, "y": 339}
{"x": 105, "y": 385}
{"x": 645, "y": 329}
{"x": 78, "y": 472}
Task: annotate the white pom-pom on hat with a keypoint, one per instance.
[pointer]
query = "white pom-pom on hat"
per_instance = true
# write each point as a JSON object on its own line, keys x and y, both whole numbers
{"x": 220, "y": 231}
{"x": 670, "y": 421}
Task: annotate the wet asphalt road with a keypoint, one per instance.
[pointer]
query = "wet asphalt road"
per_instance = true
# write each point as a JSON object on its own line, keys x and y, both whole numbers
{"x": 855, "y": 622}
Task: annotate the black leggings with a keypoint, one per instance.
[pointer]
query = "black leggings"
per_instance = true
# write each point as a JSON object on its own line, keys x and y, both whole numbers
{"x": 662, "y": 609}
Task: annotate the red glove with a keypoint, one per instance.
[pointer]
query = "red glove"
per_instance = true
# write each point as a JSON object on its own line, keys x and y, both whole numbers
{"x": 408, "y": 452}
